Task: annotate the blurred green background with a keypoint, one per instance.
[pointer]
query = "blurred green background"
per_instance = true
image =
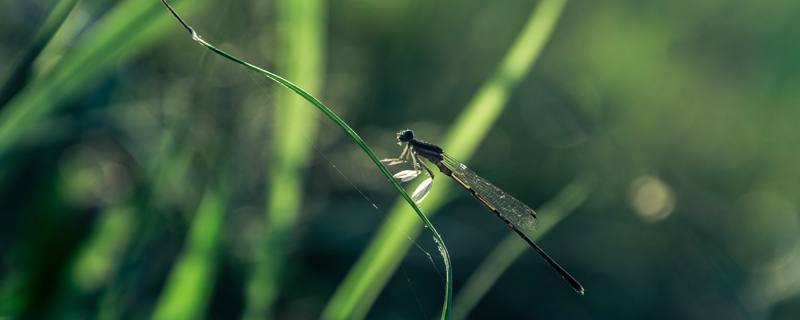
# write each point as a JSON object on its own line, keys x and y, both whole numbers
{"x": 144, "y": 177}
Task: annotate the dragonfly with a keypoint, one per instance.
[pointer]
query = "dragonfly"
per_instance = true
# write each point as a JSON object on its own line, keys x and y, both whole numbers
{"x": 514, "y": 213}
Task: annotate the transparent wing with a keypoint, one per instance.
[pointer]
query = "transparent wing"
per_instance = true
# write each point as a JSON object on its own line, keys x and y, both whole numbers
{"x": 522, "y": 216}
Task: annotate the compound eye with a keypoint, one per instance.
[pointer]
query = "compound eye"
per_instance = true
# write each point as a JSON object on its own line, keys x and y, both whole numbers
{"x": 408, "y": 135}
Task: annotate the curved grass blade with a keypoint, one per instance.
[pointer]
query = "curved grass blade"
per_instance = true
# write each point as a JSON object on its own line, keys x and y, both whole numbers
{"x": 372, "y": 271}
{"x": 354, "y": 136}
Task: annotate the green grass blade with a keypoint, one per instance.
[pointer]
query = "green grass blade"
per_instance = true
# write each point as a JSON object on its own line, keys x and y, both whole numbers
{"x": 482, "y": 111}
{"x": 369, "y": 275}
{"x": 18, "y": 78}
{"x": 98, "y": 260}
{"x": 130, "y": 27}
{"x": 189, "y": 285}
{"x": 357, "y": 139}
{"x": 169, "y": 173}
{"x": 302, "y": 52}
{"x": 511, "y": 248}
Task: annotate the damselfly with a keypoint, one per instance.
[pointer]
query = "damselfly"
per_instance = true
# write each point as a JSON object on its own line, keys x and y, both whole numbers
{"x": 513, "y": 212}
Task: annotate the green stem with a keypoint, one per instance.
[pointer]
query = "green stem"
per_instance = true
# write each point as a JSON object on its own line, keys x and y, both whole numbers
{"x": 302, "y": 58}
{"x": 191, "y": 282}
{"x": 355, "y": 137}
{"x": 372, "y": 271}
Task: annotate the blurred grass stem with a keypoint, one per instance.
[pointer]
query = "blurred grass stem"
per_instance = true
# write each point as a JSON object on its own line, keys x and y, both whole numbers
{"x": 19, "y": 76}
{"x": 130, "y": 27}
{"x": 369, "y": 275}
{"x": 190, "y": 283}
{"x": 302, "y": 54}
{"x": 355, "y": 137}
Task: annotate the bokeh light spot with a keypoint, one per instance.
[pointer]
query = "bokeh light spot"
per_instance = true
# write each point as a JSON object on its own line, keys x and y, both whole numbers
{"x": 651, "y": 198}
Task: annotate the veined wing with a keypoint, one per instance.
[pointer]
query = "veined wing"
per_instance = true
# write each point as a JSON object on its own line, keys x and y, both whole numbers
{"x": 522, "y": 216}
